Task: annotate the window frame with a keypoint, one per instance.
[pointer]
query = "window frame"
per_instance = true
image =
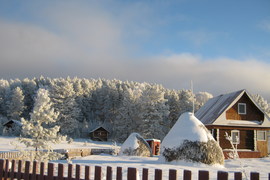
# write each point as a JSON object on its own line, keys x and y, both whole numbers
{"x": 238, "y": 140}
{"x": 245, "y": 108}
{"x": 261, "y": 131}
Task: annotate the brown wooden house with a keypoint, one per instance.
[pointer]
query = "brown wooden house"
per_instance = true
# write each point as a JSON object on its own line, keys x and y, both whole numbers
{"x": 99, "y": 134}
{"x": 240, "y": 116}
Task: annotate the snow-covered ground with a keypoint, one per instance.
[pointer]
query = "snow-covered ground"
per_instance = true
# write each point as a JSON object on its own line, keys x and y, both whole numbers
{"x": 250, "y": 165}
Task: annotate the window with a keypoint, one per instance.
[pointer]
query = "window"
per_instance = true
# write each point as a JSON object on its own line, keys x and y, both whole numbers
{"x": 261, "y": 135}
{"x": 242, "y": 108}
{"x": 235, "y": 136}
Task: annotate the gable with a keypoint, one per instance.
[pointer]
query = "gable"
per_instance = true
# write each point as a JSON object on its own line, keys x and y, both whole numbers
{"x": 252, "y": 112}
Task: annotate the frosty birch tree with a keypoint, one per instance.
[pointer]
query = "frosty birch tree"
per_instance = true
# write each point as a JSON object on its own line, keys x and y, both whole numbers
{"x": 16, "y": 104}
{"x": 41, "y": 137}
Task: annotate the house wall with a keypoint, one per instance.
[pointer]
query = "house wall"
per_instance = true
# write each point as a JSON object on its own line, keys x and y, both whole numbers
{"x": 263, "y": 147}
{"x": 253, "y": 113}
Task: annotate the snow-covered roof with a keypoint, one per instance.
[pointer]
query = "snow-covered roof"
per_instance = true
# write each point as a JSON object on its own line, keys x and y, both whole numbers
{"x": 98, "y": 128}
{"x": 14, "y": 121}
{"x": 213, "y": 111}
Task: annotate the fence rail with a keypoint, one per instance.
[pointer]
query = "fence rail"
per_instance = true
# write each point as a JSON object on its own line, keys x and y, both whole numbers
{"x": 37, "y": 172}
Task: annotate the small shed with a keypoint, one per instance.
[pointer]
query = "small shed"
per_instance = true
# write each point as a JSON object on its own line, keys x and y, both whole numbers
{"x": 154, "y": 145}
{"x": 99, "y": 134}
{"x": 11, "y": 122}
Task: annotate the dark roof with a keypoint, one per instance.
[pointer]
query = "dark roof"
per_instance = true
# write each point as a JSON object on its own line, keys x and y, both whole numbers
{"x": 214, "y": 107}
{"x": 98, "y": 128}
{"x": 13, "y": 121}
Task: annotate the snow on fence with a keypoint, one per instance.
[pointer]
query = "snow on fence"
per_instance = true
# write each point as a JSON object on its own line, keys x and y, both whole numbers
{"x": 31, "y": 172}
{"x": 71, "y": 152}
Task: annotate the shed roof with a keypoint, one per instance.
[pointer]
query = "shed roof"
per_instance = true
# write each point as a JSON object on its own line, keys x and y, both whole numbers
{"x": 13, "y": 121}
{"x": 98, "y": 128}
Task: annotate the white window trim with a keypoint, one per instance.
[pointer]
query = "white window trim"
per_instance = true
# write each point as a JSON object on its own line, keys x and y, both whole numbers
{"x": 238, "y": 141}
{"x": 244, "y": 106}
{"x": 258, "y": 131}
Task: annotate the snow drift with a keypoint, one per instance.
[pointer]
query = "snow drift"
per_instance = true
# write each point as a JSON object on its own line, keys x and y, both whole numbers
{"x": 135, "y": 145}
{"x": 190, "y": 141}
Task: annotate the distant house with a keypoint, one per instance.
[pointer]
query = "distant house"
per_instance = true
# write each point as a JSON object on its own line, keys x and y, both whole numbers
{"x": 99, "y": 134}
{"x": 11, "y": 122}
{"x": 240, "y": 116}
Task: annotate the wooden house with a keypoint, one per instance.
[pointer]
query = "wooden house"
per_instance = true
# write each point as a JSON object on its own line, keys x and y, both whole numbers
{"x": 241, "y": 117}
{"x": 99, "y": 134}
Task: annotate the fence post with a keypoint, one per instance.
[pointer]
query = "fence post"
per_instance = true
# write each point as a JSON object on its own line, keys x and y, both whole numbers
{"x": 1, "y": 168}
{"x": 42, "y": 171}
{"x": 172, "y": 174}
{"x": 70, "y": 171}
{"x": 145, "y": 174}
{"x": 203, "y": 175}
{"x": 187, "y": 175}
{"x": 221, "y": 175}
{"x": 98, "y": 173}
{"x": 19, "y": 174}
{"x": 78, "y": 172}
{"x": 35, "y": 169}
{"x": 87, "y": 172}
{"x": 13, "y": 169}
{"x": 158, "y": 174}
{"x": 61, "y": 171}
{"x": 51, "y": 171}
{"x": 27, "y": 170}
{"x": 254, "y": 176}
{"x": 109, "y": 173}
{"x": 119, "y": 173}
{"x": 237, "y": 175}
{"x": 132, "y": 174}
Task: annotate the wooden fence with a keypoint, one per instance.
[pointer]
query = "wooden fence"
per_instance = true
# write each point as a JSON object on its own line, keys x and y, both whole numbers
{"x": 9, "y": 170}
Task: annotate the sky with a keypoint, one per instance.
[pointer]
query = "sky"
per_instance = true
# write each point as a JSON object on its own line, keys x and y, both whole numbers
{"x": 222, "y": 46}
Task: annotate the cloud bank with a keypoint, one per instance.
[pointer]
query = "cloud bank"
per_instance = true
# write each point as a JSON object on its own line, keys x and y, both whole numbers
{"x": 91, "y": 42}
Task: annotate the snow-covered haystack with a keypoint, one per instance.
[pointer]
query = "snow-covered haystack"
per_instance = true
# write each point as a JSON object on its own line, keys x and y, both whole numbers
{"x": 135, "y": 145}
{"x": 190, "y": 141}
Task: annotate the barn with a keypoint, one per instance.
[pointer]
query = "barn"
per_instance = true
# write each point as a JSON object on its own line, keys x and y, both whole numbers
{"x": 240, "y": 116}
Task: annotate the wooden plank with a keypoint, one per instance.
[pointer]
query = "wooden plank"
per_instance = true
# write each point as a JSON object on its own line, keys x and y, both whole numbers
{"x": 172, "y": 174}
{"x": 27, "y": 170}
{"x": 35, "y": 170}
{"x": 70, "y": 171}
{"x": 13, "y": 169}
{"x": 145, "y": 174}
{"x": 42, "y": 171}
{"x": 221, "y": 175}
{"x": 51, "y": 171}
{"x": 158, "y": 174}
{"x": 187, "y": 175}
{"x": 203, "y": 175}
{"x": 132, "y": 174}
{"x": 20, "y": 166}
{"x": 1, "y": 168}
{"x": 119, "y": 173}
{"x": 61, "y": 171}
{"x": 6, "y": 169}
{"x": 237, "y": 175}
{"x": 78, "y": 172}
{"x": 254, "y": 176}
{"x": 98, "y": 173}
{"x": 87, "y": 172}
{"x": 109, "y": 173}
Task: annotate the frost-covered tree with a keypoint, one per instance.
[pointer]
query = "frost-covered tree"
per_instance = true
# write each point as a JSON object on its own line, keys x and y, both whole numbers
{"x": 154, "y": 112}
{"x": 63, "y": 97}
{"x": 262, "y": 103}
{"x": 186, "y": 98}
{"x": 202, "y": 98}
{"x": 4, "y": 96}
{"x": 16, "y": 104}
{"x": 39, "y": 136}
{"x": 174, "y": 106}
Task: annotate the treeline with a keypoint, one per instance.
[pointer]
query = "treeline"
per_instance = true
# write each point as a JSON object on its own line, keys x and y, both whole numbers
{"x": 83, "y": 104}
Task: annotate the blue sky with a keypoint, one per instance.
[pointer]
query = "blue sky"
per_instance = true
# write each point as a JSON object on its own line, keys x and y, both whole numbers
{"x": 222, "y": 46}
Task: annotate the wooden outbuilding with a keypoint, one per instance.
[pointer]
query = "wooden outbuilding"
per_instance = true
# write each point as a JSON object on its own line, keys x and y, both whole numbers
{"x": 154, "y": 145}
{"x": 11, "y": 122}
{"x": 242, "y": 118}
{"x": 99, "y": 134}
